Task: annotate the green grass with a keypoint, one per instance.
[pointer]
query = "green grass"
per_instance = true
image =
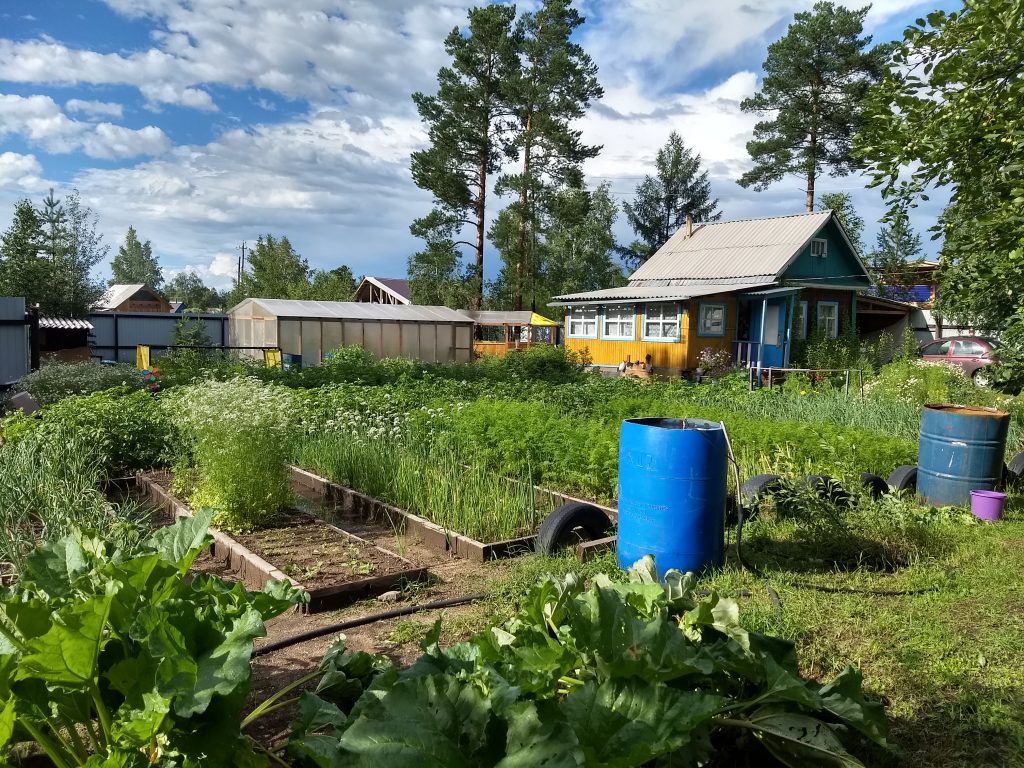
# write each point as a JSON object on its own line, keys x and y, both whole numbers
{"x": 946, "y": 661}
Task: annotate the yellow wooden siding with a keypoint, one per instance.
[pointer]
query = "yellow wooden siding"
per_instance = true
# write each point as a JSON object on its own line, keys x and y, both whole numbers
{"x": 717, "y": 342}
{"x": 674, "y": 356}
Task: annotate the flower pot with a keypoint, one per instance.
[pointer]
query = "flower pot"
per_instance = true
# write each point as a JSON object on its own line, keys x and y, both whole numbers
{"x": 987, "y": 505}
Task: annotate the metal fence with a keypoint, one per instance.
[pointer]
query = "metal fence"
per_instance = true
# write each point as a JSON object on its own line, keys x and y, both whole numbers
{"x": 15, "y": 349}
{"x": 116, "y": 335}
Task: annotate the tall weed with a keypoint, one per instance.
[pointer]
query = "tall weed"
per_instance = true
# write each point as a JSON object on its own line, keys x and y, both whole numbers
{"x": 237, "y": 435}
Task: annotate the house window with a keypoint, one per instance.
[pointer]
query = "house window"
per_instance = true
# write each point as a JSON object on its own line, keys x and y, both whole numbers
{"x": 619, "y": 322}
{"x": 661, "y": 322}
{"x": 711, "y": 320}
{"x": 828, "y": 318}
{"x": 802, "y": 330}
{"x": 819, "y": 248}
{"x": 583, "y": 322}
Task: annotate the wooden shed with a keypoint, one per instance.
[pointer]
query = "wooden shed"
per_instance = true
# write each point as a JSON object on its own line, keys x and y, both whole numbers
{"x": 132, "y": 298}
{"x": 306, "y": 331}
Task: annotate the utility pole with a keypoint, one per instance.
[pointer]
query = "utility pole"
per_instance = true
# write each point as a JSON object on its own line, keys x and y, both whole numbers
{"x": 241, "y": 261}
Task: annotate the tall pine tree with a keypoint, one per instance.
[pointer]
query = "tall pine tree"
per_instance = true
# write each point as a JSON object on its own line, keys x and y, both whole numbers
{"x": 679, "y": 188}
{"x": 554, "y": 86}
{"x": 465, "y": 124}
{"x": 135, "y": 263}
{"x": 816, "y": 79}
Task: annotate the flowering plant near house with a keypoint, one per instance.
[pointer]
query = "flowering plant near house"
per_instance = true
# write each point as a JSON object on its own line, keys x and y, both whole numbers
{"x": 713, "y": 360}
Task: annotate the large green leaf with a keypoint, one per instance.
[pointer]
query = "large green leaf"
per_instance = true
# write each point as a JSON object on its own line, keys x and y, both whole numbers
{"x": 625, "y": 723}
{"x": 52, "y": 567}
{"x": 68, "y": 652}
{"x": 843, "y": 698}
{"x": 800, "y": 740}
{"x": 180, "y": 543}
{"x": 7, "y": 719}
{"x": 225, "y": 667}
{"x": 534, "y": 740}
{"x": 137, "y": 728}
{"x": 424, "y": 722}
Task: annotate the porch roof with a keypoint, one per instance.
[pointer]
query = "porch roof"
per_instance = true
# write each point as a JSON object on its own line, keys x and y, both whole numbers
{"x": 631, "y": 293}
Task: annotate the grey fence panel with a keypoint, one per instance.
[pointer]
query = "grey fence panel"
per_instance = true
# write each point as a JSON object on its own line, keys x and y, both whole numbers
{"x": 14, "y": 345}
{"x": 116, "y": 334}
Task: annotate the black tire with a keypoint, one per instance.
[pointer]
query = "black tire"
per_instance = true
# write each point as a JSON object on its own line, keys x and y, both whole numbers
{"x": 1015, "y": 468}
{"x": 904, "y": 478}
{"x": 874, "y": 485}
{"x": 758, "y": 486}
{"x": 827, "y": 488}
{"x": 570, "y": 524}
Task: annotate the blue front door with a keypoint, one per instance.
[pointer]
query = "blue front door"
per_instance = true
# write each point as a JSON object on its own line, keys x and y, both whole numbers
{"x": 772, "y": 352}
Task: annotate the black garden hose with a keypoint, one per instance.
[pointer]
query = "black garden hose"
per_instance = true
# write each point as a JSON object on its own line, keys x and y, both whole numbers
{"x": 800, "y": 584}
{"x": 394, "y": 613}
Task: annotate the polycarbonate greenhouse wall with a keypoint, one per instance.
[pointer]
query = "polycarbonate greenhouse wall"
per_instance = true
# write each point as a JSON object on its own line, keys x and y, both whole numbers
{"x": 309, "y": 330}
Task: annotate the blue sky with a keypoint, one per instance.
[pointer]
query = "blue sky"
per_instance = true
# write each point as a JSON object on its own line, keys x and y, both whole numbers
{"x": 204, "y": 124}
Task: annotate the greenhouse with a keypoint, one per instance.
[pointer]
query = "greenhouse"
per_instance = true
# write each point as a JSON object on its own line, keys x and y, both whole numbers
{"x": 306, "y": 331}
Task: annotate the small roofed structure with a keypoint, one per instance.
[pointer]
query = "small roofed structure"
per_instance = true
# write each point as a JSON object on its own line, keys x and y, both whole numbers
{"x": 384, "y": 290}
{"x": 65, "y": 339}
{"x": 496, "y": 333}
{"x": 308, "y": 331}
{"x": 134, "y": 297}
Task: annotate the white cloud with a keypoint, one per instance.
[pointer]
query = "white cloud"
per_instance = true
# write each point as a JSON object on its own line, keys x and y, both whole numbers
{"x": 20, "y": 171}
{"x": 339, "y": 187}
{"x": 42, "y": 123}
{"x": 302, "y": 49}
{"x": 95, "y": 108}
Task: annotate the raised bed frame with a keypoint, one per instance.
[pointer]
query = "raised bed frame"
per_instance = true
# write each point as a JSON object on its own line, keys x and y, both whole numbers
{"x": 255, "y": 572}
{"x": 430, "y": 534}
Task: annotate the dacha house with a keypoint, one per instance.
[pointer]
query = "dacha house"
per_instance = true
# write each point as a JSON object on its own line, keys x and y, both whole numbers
{"x": 744, "y": 287}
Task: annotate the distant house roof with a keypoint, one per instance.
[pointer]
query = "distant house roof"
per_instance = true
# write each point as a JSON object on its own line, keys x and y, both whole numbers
{"x": 354, "y": 310}
{"x": 396, "y": 287}
{"x": 116, "y": 295}
{"x": 630, "y": 293}
{"x": 177, "y": 307}
{"x": 65, "y": 323}
{"x": 744, "y": 251}
{"x": 521, "y": 317}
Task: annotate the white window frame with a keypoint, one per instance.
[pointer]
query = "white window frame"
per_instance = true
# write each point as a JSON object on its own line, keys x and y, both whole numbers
{"x": 623, "y": 317}
{"x": 663, "y": 320}
{"x": 583, "y": 316}
{"x": 819, "y": 241}
{"x": 834, "y": 331}
{"x": 702, "y": 309}
{"x": 804, "y": 310}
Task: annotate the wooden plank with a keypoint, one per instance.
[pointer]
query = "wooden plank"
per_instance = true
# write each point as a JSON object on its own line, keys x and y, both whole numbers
{"x": 255, "y": 572}
{"x": 430, "y": 534}
{"x": 586, "y": 550}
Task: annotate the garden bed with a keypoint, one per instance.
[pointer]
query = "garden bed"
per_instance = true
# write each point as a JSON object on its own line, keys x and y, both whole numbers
{"x": 335, "y": 567}
{"x": 352, "y": 503}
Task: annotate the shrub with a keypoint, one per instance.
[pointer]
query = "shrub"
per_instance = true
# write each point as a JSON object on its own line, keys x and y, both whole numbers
{"x": 545, "y": 363}
{"x": 238, "y": 435}
{"x": 126, "y": 428}
{"x": 55, "y": 381}
{"x": 920, "y": 382}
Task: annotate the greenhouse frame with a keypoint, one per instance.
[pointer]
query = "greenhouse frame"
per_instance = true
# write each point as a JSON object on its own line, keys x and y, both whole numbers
{"x": 307, "y": 331}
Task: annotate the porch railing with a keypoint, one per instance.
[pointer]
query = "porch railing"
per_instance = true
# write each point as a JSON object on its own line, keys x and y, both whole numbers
{"x": 745, "y": 353}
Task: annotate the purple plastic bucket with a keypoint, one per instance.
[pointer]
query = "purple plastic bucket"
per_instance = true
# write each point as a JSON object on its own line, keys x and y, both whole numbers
{"x": 987, "y": 505}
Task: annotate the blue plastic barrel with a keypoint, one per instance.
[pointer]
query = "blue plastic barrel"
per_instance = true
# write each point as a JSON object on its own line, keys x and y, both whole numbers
{"x": 961, "y": 450}
{"x": 672, "y": 475}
